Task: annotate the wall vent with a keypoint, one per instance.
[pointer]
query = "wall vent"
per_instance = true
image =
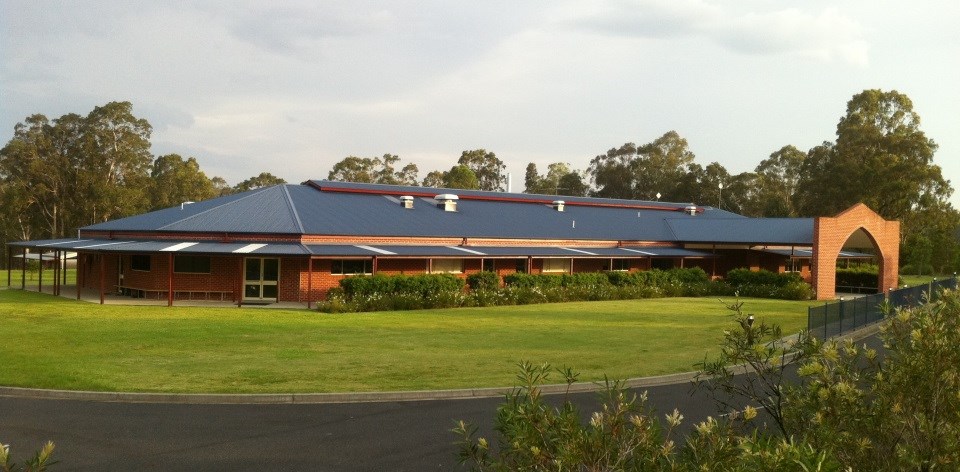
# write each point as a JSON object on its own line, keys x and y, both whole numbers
{"x": 406, "y": 201}
{"x": 447, "y": 201}
{"x": 558, "y": 205}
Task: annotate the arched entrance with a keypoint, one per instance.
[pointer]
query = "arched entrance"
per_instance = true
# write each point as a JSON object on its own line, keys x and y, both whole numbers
{"x": 831, "y": 233}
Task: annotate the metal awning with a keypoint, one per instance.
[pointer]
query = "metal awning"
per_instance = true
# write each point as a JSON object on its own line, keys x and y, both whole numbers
{"x": 130, "y": 246}
{"x": 36, "y": 256}
{"x": 500, "y": 251}
{"x": 807, "y": 253}
{"x": 175, "y": 246}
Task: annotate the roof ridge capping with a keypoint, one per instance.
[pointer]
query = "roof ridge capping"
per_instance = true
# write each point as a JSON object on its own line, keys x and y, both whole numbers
{"x": 486, "y": 195}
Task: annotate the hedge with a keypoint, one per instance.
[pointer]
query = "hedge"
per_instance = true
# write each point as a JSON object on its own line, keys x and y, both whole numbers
{"x": 741, "y": 277}
{"x": 858, "y": 277}
{"x": 417, "y": 285}
{"x": 400, "y": 292}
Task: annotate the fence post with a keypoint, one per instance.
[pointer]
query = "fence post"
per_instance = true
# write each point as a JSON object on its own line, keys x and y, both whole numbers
{"x": 826, "y": 310}
{"x": 841, "y": 315}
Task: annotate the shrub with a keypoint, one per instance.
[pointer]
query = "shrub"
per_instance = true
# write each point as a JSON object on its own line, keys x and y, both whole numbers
{"x": 424, "y": 285}
{"x": 858, "y": 277}
{"x": 693, "y": 275}
{"x": 483, "y": 281}
{"x": 739, "y": 277}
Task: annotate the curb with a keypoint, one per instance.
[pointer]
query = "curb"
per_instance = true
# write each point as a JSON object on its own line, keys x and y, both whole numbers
{"x": 356, "y": 397}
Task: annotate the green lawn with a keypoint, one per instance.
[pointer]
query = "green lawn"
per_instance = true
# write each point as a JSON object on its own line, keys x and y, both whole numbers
{"x": 33, "y": 276}
{"x": 50, "y": 342}
{"x": 914, "y": 280}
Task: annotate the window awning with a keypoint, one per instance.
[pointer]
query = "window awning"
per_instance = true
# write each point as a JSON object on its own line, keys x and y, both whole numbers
{"x": 165, "y": 246}
{"x": 807, "y": 253}
{"x": 354, "y": 250}
{"x": 500, "y": 251}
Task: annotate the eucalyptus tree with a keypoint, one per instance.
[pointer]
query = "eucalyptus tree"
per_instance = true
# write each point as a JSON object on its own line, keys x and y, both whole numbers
{"x": 174, "y": 180}
{"x": 642, "y": 172}
{"x": 488, "y": 169}
{"x": 881, "y": 157}
{"x": 376, "y": 170}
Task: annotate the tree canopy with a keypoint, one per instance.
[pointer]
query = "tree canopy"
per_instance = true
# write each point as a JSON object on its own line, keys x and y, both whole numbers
{"x": 486, "y": 167}
{"x": 376, "y": 170}
{"x": 642, "y": 172}
{"x": 881, "y": 157}
{"x": 560, "y": 179}
{"x": 265, "y": 179}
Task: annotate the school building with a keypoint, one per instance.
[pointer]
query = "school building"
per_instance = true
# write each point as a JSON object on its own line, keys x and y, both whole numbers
{"x": 292, "y": 243}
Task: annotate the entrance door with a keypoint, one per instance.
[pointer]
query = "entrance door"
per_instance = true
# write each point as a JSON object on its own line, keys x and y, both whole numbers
{"x": 260, "y": 278}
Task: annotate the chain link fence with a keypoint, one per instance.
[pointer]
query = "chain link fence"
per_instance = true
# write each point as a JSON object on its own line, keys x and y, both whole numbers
{"x": 835, "y": 318}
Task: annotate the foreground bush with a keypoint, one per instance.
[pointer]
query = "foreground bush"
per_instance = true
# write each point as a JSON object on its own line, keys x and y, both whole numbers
{"x": 849, "y": 410}
{"x": 40, "y": 461}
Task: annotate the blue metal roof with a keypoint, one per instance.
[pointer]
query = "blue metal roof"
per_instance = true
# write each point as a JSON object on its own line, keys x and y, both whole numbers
{"x": 743, "y": 230}
{"x": 349, "y": 209}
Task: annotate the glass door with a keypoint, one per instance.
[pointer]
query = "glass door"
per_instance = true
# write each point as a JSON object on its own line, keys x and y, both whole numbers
{"x": 260, "y": 278}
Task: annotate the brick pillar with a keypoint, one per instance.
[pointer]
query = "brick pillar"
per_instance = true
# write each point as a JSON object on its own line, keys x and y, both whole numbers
{"x": 831, "y": 233}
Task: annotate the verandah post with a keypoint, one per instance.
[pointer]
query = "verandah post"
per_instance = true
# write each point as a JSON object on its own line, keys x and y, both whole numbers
{"x": 102, "y": 269}
{"x": 240, "y": 286}
{"x": 40, "y": 273}
{"x": 170, "y": 279}
{"x": 79, "y": 260}
{"x": 23, "y": 270}
{"x": 56, "y": 271}
{"x": 309, "y": 282}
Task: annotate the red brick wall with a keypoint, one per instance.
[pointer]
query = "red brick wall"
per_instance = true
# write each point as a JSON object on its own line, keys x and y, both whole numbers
{"x": 831, "y": 233}
{"x": 590, "y": 265}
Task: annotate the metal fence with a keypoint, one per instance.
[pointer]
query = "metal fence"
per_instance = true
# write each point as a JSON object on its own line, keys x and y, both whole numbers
{"x": 836, "y": 318}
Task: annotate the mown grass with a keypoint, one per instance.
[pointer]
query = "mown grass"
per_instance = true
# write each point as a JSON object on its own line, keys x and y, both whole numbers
{"x": 31, "y": 277}
{"x": 914, "y": 280}
{"x": 50, "y": 342}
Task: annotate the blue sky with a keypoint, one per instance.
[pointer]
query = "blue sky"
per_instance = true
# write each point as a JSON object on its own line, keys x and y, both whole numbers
{"x": 293, "y": 87}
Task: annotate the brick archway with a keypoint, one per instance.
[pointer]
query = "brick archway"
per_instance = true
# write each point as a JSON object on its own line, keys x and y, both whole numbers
{"x": 831, "y": 233}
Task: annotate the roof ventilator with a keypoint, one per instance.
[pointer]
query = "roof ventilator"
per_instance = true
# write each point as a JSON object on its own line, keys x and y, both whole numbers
{"x": 691, "y": 210}
{"x": 558, "y": 205}
{"x": 406, "y": 201}
{"x": 185, "y": 204}
{"x": 447, "y": 201}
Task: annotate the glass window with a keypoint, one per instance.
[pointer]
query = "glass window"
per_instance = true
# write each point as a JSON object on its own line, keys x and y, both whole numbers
{"x": 447, "y": 266}
{"x": 521, "y": 266}
{"x": 489, "y": 266}
{"x": 352, "y": 267}
{"x": 140, "y": 262}
{"x": 621, "y": 265}
{"x": 253, "y": 269}
{"x": 271, "y": 270}
{"x": 191, "y": 264}
{"x": 556, "y": 265}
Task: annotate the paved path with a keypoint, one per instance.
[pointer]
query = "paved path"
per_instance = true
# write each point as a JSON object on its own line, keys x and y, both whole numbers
{"x": 398, "y": 436}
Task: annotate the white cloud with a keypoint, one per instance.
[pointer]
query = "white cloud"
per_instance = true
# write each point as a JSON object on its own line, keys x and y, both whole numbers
{"x": 826, "y": 35}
